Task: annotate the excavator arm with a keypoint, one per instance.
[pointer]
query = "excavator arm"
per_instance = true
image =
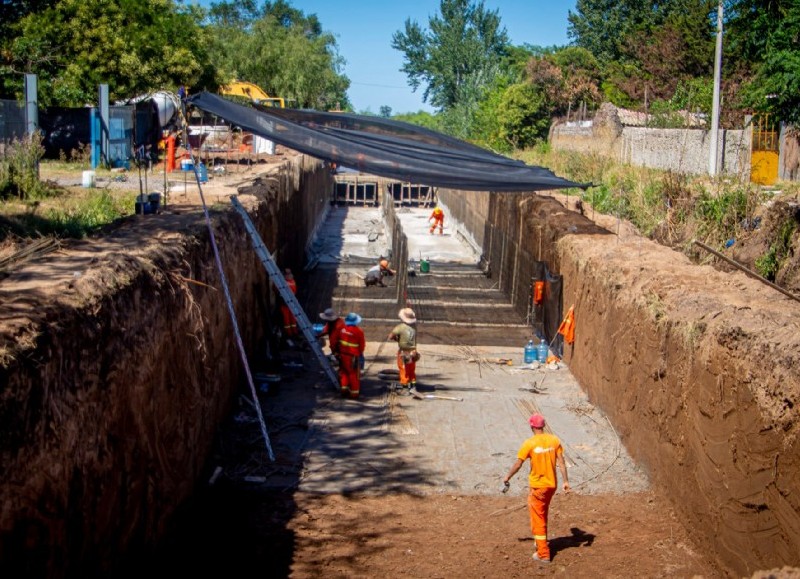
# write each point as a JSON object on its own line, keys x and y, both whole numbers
{"x": 251, "y": 91}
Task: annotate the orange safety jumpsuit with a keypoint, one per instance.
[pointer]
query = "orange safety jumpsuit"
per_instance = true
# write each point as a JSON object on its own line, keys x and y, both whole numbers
{"x": 289, "y": 321}
{"x": 351, "y": 348}
{"x": 333, "y": 330}
{"x": 438, "y": 217}
{"x": 542, "y": 449}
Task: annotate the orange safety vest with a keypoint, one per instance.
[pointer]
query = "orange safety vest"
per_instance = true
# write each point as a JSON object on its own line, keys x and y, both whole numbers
{"x": 538, "y": 292}
{"x": 567, "y": 327}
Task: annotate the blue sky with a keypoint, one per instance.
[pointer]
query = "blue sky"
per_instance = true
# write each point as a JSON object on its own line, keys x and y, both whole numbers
{"x": 364, "y": 28}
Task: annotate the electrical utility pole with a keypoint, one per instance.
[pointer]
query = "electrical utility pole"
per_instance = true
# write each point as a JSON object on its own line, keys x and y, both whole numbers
{"x": 714, "y": 144}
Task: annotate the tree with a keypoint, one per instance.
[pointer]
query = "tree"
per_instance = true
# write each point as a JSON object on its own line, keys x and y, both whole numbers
{"x": 421, "y": 118}
{"x": 280, "y": 49}
{"x": 646, "y": 49}
{"x": 133, "y": 46}
{"x": 456, "y": 55}
{"x": 600, "y": 25}
{"x": 385, "y": 111}
{"x": 525, "y": 118}
{"x": 581, "y": 75}
{"x": 775, "y": 87}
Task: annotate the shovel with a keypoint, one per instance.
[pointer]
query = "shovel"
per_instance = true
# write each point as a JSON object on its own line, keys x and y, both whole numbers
{"x": 419, "y": 396}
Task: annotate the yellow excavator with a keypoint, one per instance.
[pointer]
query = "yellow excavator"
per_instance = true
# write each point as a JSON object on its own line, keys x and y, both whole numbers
{"x": 253, "y": 92}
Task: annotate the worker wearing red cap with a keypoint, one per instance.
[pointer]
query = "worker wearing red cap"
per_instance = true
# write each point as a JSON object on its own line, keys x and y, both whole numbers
{"x": 545, "y": 453}
{"x": 438, "y": 220}
{"x": 351, "y": 356}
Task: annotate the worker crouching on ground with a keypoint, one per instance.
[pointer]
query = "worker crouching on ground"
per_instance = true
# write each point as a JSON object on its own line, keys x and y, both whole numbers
{"x": 290, "y": 331}
{"x": 438, "y": 220}
{"x": 545, "y": 453}
{"x": 351, "y": 356}
{"x": 376, "y": 274}
{"x": 405, "y": 334}
{"x": 333, "y": 328}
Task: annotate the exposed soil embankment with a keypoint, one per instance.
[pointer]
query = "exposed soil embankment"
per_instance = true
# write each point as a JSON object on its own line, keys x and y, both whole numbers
{"x": 118, "y": 364}
{"x": 700, "y": 371}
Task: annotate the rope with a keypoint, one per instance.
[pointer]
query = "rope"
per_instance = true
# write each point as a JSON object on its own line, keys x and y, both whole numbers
{"x": 228, "y": 299}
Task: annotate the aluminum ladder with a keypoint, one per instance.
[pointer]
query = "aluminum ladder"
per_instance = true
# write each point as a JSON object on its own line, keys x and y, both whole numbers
{"x": 276, "y": 276}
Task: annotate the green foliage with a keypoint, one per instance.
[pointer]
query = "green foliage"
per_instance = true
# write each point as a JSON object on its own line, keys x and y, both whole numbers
{"x": 422, "y": 119}
{"x": 770, "y": 263}
{"x": 767, "y": 265}
{"x": 281, "y": 50}
{"x": 722, "y": 213}
{"x": 600, "y": 26}
{"x": 135, "y": 47}
{"x": 85, "y": 217}
{"x": 523, "y": 115}
{"x": 775, "y": 87}
{"x": 457, "y": 55}
{"x": 486, "y": 127}
{"x": 19, "y": 169}
{"x": 694, "y": 95}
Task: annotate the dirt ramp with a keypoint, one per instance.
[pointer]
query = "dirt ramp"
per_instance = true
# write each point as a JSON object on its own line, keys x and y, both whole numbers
{"x": 700, "y": 372}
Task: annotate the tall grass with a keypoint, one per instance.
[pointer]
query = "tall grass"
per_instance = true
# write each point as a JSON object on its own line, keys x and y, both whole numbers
{"x": 770, "y": 263}
{"x": 30, "y": 207}
{"x": 661, "y": 204}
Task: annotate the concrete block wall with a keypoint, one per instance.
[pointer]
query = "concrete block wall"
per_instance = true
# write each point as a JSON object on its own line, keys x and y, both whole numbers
{"x": 679, "y": 150}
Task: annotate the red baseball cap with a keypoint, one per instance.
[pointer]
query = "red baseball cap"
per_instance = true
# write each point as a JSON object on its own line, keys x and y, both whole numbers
{"x": 536, "y": 421}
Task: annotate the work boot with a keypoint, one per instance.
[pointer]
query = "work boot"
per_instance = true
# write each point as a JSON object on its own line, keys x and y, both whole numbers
{"x": 536, "y": 557}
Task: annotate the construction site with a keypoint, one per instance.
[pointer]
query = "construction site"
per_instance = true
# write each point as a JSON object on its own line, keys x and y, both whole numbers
{"x": 156, "y": 421}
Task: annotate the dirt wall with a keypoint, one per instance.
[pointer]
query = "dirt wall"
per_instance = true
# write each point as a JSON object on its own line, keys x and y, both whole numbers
{"x": 698, "y": 369}
{"x": 115, "y": 382}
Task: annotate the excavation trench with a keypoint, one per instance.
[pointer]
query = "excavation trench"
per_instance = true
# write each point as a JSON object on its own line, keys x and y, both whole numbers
{"x": 697, "y": 370}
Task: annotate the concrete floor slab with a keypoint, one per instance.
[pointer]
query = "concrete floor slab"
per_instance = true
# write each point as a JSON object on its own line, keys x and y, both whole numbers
{"x": 388, "y": 441}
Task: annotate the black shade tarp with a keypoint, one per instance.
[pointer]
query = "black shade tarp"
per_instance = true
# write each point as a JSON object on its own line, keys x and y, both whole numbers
{"x": 385, "y": 148}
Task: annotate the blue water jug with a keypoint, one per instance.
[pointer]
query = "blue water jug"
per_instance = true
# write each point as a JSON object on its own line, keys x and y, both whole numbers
{"x": 530, "y": 352}
{"x": 203, "y": 172}
{"x": 543, "y": 351}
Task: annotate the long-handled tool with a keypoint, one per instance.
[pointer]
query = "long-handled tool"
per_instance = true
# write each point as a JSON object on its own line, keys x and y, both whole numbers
{"x": 419, "y": 396}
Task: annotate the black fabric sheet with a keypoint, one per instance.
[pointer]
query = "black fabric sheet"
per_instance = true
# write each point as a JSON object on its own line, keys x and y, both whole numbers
{"x": 385, "y": 148}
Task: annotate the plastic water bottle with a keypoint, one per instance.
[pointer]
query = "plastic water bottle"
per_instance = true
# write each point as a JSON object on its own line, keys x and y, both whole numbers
{"x": 543, "y": 351}
{"x": 530, "y": 352}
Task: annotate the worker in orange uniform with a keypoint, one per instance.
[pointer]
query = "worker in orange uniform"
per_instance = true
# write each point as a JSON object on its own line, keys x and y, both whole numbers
{"x": 438, "y": 219}
{"x": 289, "y": 321}
{"x": 333, "y": 327}
{"x": 405, "y": 334}
{"x": 351, "y": 356}
{"x": 545, "y": 453}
